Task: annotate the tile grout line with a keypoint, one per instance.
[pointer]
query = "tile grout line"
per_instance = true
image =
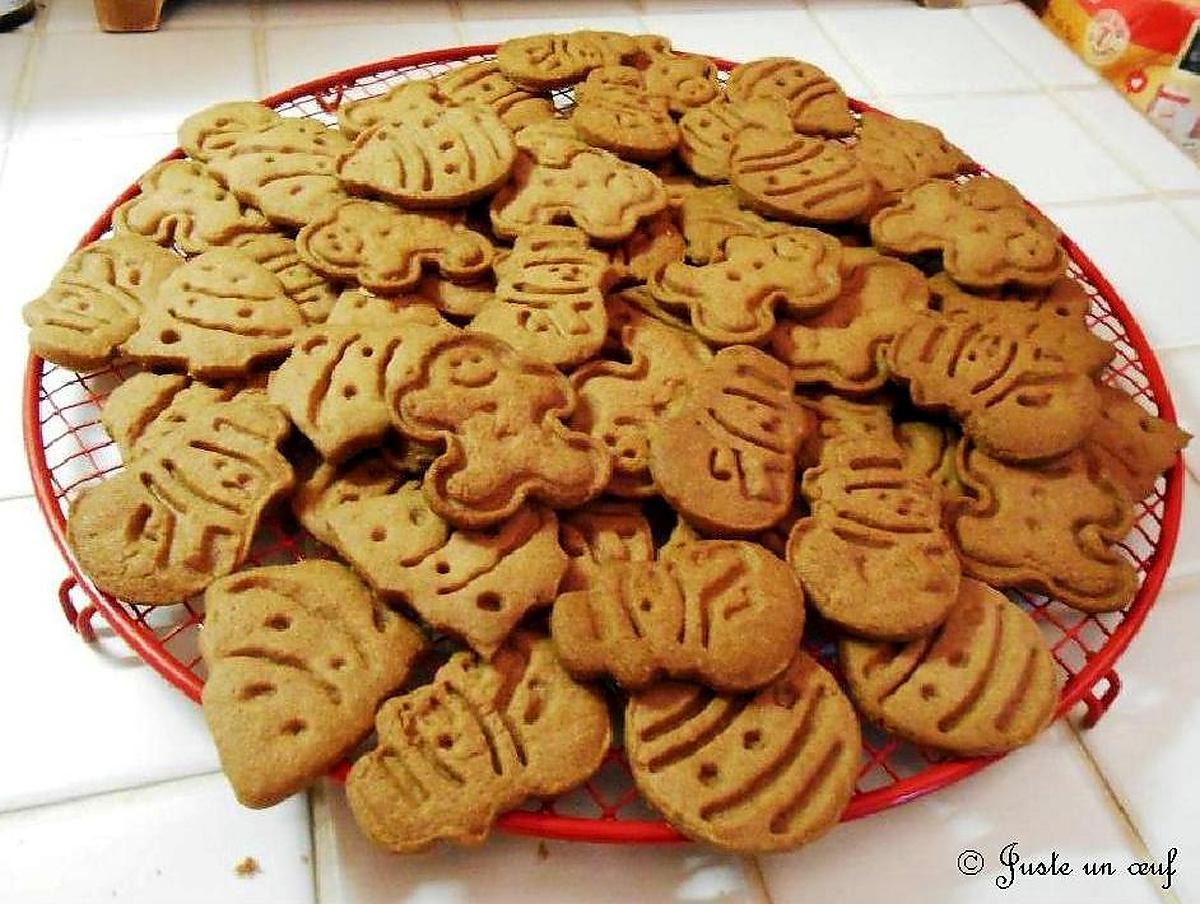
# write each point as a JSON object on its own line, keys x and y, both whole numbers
{"x": 815, "y": 16}
{"x": 78, "y": 798}
{"x": 754, "y": 869}
{"x": 23, "y": 89}
{"x": 1118, "y": 806}
{"x": 310, "y": 795}
{"x": 258, "y": 46}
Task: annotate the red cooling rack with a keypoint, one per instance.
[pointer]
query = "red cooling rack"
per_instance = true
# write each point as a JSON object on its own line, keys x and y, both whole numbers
{"x": 68, "y": 448}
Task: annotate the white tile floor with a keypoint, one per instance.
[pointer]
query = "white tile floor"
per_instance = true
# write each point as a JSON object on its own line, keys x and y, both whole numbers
{"x": 81, "y": 818}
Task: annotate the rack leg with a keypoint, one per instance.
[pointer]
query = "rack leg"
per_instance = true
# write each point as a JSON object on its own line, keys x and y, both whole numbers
{"x": 80, "y": 619}
{"x": 1098, "y": 706}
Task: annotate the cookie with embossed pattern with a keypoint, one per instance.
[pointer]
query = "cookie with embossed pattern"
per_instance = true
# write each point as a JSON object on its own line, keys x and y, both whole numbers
{"x": 415, "y": 96}
{"x": 283, "y": 165}
{"x": 1055, "y": 317}
{"x": 217, "y": 316}
{"x": 454, "y": 754}
{"x": 181, "y": 204}
{"x": 615, "y": 111}
{"x": 656, "y": 242}
{"x": 436, "y": 159}
{"x": 706, "y": 133}
{"x": 1014, "y": 393}
{"x": 474, "y": 584}
{"x": 749, "y": 773}
{"x": 686, "y": 80}
{"x": 903, "y": 153}
{"x": 987, "y": 234}
{"x": 1132, "y": 444}
{"x": 559, "y": 179}
{"x": 599, "y": 534}
{"x": 93, "y": 303}
{"x": 385, "y": 249}
{"x": 872, "y": 557}
{"x": 725, "y": 613}
{"x": 1049, "y": 528}
{"x": 618, "y": 401}
{"x": 484, "y": 83}
{"x": 547, "y": 61}
{"x": 982, "y": 684}
{"x": 724, "y": 454}
{"x": 299, "y": 657}
{"x": 501, "y": 419}
{"x": 842, "y": 347}
{"x": 709, "y": 216}
{"x": 816, "y": 103}
{"x": 184, "y": 512}
{"x": 732, "y": 300}
{"x": 549, "y": 298}
{"x": 799, "y": 178}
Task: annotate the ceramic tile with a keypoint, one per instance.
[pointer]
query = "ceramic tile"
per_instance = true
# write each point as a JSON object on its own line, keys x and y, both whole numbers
{"x": 508, "y": 868}
{"x": 13, "y": 50}
{"x": 80, "y": 15}
{"x": 356, "y": 12}
{"x": 1181, "y": 368}
{"x": 1149, "y": 741}
{"x": 850, "y": 4}
{"x": 1132, "y": 139}
{"x": 501, "y": 21}
{"x": 296, "y": 55}
{"x": 1033, "y": 45}
{"x": 477, "y": 10}
{"x": 1151, "y": 258}
{"x": 98, "y": 719}
{"x": 84, "y": 85}
{"x": 178, "y": 842}
{"x": 746, "y": 34}
{"x": 1026, "y": 139}
{"x": 1189, "y": 209}
{"x": 1044, "y": 797}
{"x": 956, "y": 56}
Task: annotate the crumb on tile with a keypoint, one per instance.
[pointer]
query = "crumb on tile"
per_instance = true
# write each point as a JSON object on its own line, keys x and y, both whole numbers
{"x": 542, "y": 850}
{"x": 247, "y": 867}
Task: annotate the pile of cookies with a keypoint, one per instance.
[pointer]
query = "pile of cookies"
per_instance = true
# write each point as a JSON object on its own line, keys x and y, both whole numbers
{"x": 614, "y": 399}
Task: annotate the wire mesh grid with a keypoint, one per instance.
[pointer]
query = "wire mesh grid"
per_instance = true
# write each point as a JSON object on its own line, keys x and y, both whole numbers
{"x": 69, "y": 449}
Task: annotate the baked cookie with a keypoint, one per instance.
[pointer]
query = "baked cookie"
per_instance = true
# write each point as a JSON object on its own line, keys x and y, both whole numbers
{"x": 384, "y": 249}
{"x": 313, "y": 293}
{"x": 93, "y": 302}
{"x": 1049, "y": 528}
{"x": 180, "y": 204}
{"x": 484, "y": 83}
{"x": 559, "y": 179}
{"x": 1054, "y": 317}
{"x": 284, "y": 166}
{"x": 299, "y": 657}
{"x": 686, "y": 80}
{"x": 766, "y": 772}
{"x": 549, "y": 298}
{"x": 903, "y": 153}
{"x": 1013, "y": 393}
{"x": 816, "y": 103}
{"x": 655, "y": 243}
{"x": 435, "y": 159}
{"x": 500, "y": 418}
{"x": 842, "y": 347}
{"x": 183, "y": 514}
{"x": 545, "y": 61}
{"x": 217, "y": 316}
{"x": 1131, "y": 444}
{"x": 707, "y": 133}
{"x": 986, "y": 232}
{"x": 799, "y": 178}
{"x": 981, "y": 684}
{"x": 615, "y": 111}
{"x": 600, "y": 534}
{"x": 618, "y": 401}
{"x": 725, "y": 613}
{"x": 732, "y": 300}
{"x": 414, "y": 97}
{"x": 872, "y": 557}
{"x": 709, "y": 216}
{"x": 724, "y": 454}
{"x": 456, "y": 753}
